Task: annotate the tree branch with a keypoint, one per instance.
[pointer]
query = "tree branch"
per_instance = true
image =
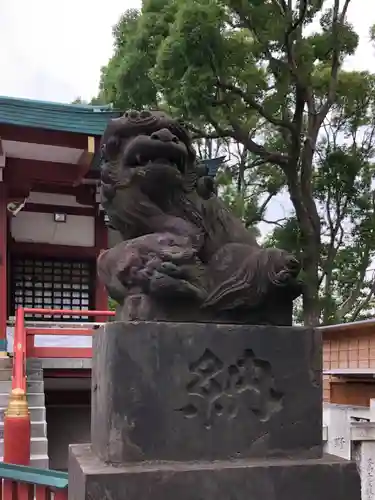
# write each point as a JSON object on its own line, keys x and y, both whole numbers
{"x": 263, "y": 206}
{"x": 242, "y": 136}
{"x": 334, "y": 230}
{"x": 354, "y": 296}
{"x": 274, "y": 222}
{"x": 293, "y": 26}
{"x": 366, "y": 300}
{"x": 255, "y": 105}
{"x": 201, "y": 134}
{"x": 337, "y": 20}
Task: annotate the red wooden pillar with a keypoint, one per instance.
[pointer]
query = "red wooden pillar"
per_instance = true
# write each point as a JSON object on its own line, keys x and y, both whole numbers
{"x": 3, "y": 269}
{"x": 101, "y": 243}
{"x": 17, "y": 421}
{"x": 17, "y": 429}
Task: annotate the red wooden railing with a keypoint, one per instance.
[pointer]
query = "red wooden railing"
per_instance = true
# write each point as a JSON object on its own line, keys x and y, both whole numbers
{"x": 24, "y": 340}
{"x": 33, "y": 351}
{"x": 17, "y": 416}
{"x": 26, "y": 483}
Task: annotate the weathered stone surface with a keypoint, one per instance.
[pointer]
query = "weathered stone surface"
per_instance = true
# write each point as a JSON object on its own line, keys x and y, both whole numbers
{"x": 328, "y": 478}
{"x": 183, "y": 391}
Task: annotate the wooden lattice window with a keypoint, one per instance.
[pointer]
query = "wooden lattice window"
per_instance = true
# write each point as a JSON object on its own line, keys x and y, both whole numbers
{"x": 52, "y": 284}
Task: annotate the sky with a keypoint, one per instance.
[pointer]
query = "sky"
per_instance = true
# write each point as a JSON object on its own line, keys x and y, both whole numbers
{"x": 54, "y": 50}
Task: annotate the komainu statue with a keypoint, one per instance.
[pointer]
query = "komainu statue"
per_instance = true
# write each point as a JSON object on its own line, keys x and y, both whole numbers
{"x": 184, "y": 256}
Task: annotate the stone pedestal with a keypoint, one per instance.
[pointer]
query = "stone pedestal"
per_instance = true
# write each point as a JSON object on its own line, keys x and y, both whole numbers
{"x": 207, "y": 411}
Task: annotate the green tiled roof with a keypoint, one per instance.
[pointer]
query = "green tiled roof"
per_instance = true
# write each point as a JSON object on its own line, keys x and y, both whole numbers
{"x": 82, "y": 119}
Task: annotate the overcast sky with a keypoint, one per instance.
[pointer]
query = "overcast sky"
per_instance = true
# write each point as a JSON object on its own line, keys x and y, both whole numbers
{"x": 53, "y": 50}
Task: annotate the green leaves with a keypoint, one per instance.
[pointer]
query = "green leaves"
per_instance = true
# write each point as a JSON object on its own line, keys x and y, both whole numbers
{"x": 266, "y": 79}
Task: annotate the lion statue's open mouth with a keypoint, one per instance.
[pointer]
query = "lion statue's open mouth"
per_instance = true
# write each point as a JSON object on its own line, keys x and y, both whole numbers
{"x": 144, "y": 138}
{"x": 162, "y": 147}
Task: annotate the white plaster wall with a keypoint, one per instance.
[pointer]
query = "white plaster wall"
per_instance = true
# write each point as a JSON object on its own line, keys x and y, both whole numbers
{"x": 66, "y": 200}
{"x": 35, "y": 227}
{"x": 52, "y": 340}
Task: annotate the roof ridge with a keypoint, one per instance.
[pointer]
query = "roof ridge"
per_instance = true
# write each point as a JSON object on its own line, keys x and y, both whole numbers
{"x": 76, "y": 118}
{"x": 82, "y": 108}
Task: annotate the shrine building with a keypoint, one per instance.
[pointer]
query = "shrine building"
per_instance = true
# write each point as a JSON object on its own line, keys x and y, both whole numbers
{"x": 52, "y": 226}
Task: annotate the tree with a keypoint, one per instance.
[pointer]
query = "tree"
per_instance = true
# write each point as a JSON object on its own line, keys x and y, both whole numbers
{"x": 265, "y": 74}
{"x": 345, "y": 199}
{"x": 126, "y": 91}
{"x": 79, "y": 100}
{"x": 243, "y": 182}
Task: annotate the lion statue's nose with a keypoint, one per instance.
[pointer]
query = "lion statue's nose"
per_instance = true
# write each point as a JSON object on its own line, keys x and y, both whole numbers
{"x": 164, "y": 135}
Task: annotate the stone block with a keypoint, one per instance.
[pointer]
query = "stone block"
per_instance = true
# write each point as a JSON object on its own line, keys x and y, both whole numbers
{"x": 204, "y": 391}
{"x": 327, "y": 478}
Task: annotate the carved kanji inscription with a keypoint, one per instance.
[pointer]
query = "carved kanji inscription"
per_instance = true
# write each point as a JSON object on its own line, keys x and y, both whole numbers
{"x": 220, "y": 390}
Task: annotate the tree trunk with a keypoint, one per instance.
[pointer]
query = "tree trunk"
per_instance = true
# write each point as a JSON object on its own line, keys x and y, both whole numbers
{"x": 307, "y": 216}
{"x": 311, "y": 303}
